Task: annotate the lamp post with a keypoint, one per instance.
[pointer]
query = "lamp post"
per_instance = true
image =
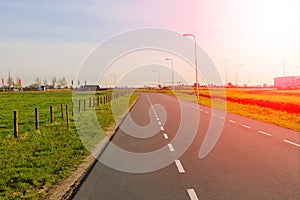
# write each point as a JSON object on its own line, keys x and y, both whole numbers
{"x": 115, "y": 80}
{"x": 158, "y": 72}
{"x": 167, "y": 59}
{"x": 225, "y": 72}
{"x": 196, "y": 62}
{"x": 236, "y": 74}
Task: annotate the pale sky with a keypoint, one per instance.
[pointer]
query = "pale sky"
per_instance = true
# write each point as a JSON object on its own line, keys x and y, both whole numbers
{"x": 48, "y": 39}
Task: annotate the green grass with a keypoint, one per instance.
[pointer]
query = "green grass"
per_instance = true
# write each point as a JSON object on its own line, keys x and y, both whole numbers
{"x": 41, "y": 158}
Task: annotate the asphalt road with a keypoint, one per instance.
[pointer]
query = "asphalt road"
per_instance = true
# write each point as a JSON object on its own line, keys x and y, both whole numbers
{"x": 251, "y": 160}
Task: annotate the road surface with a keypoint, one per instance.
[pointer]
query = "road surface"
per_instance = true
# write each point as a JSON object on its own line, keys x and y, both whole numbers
{"x": 251, "y": 160}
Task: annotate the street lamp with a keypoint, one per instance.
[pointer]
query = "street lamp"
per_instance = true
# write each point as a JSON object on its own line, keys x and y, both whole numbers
{"x": 196, "y": 62}
{"x": 158, "y": 72}
{"x": 225, "y": 72}
{"x": 167, "y": 59}
{"x": 236, "y": 75}
{"x": 115, "y": 80}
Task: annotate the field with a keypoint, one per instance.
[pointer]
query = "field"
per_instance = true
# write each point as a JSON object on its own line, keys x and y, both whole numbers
{"x": 279, "y": 107}
{"x": 38, "y": 159}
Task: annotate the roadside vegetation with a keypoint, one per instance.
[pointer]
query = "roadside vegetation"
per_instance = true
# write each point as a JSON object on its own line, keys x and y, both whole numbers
{"x": 39, "y": 159}
{"x": 279, "y": 107}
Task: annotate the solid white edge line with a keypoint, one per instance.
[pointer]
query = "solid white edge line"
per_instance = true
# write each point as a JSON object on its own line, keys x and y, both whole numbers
{"x": 162, "y": 128}
{"x": 192, "y": 194}
{"x": 170, "y": 146}
{"x": 166, "y": 136}
{"x": 179, "y": 166}
{"x": 292, "y": 143}
{"x": 231, "y": 121}
{"x": 245, "y": 126}
{"x": 265, "y": 133}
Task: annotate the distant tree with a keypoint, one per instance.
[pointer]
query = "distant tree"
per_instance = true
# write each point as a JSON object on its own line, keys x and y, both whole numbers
{"x": 38, "y": 82}
{"x": 9, "y": 80}
{"x": 53, "y": 82}
{"x": 62, "y": 82}
{"x": 45, "y": 82}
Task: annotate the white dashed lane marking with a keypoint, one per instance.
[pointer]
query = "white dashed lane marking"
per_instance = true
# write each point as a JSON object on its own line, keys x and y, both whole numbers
{"x": 165, "y": 136}
{"x": 159, "y": 123}
{"x": 192, "y": 194}
{"x": 171, "y": 148}
{"x": 265, "y": 133}
{"x": 233, "y": 122}
{"x": 245, "y": 126}
{"x": 162, "y": 128}
{"x": 179, "y": 166}
{"x": 221, "y": 118}
{"x": 292, "y": 143}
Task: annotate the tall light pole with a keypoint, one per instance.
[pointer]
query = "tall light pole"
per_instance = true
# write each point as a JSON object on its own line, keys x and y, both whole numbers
{"x": 115, "y": 80}
{"x": 172, "y": 73}
{"x": 225, "y": 72}
{"x": 158, "y": 72}
{"x": 196, "y": 61}
{"x": 236, "y": 74}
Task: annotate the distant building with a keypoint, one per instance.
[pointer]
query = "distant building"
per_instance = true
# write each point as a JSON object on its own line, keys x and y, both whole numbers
{"x": 89, "y": 88}
{"x": 287, "y": 82}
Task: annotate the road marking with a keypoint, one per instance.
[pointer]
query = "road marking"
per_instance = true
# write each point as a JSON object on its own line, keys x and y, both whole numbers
{"x": 231, "y": 121}
{"x": 245, "y": 126}
{"x": 206, "y": 112}
{"x": 166, "y": 136}
{"x": 292, "y": 143}
{"x": 159, "y": 122}
{"x": 221, "y": 118}
{"x": 192, "y": 194}
{"x": 157, "y": 118}
{"x": 265, "y": 133}
{"x": 201, "y": 110}
{"x": 170, "y": 146}
{"x": 162, "y": 128}
{"x": 179, "y": 166}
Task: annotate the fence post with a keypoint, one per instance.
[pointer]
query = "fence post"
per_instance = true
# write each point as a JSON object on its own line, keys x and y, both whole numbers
{"x": 90, "y": 102}
{"x": 62, "y": 110}
{"x": 79, "y": 103}
{"x": 36, "y": 118}
{"x": 84, "y": 104}
{"x": 67, "y": 117}
{"x": 51, "y": 114}
{"x": 16, "y": 128}
{"x": 98, "y": 101}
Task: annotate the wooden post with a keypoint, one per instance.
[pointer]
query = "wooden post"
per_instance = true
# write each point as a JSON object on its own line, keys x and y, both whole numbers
{"x": 51, "y": 115}
{"x": 98, "y": 101}
{"x": 16, "y": 128}
{"x": 36, "y": 118}
{"x": 67, "y": 117}
{"x": 62, "y": 110}
{"x": 90, "y": 102}
{"x": 84, "y": 104}
{"x": 79, "y": 103}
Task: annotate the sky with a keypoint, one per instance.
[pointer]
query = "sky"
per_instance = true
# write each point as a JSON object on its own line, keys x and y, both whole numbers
{"x": 255, "y": 39}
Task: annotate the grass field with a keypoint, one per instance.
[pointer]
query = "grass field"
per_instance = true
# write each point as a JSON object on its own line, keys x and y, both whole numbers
{"x": 279, "y": 107}
{"x": 38, "y": 159}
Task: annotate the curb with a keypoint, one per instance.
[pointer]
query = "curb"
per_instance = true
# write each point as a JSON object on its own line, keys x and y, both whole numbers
{"x": 68, "y": 186}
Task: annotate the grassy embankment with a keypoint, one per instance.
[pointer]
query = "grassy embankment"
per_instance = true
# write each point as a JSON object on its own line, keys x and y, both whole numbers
{"x": 277, "y": 107}
{"x": 40, "y": 158}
